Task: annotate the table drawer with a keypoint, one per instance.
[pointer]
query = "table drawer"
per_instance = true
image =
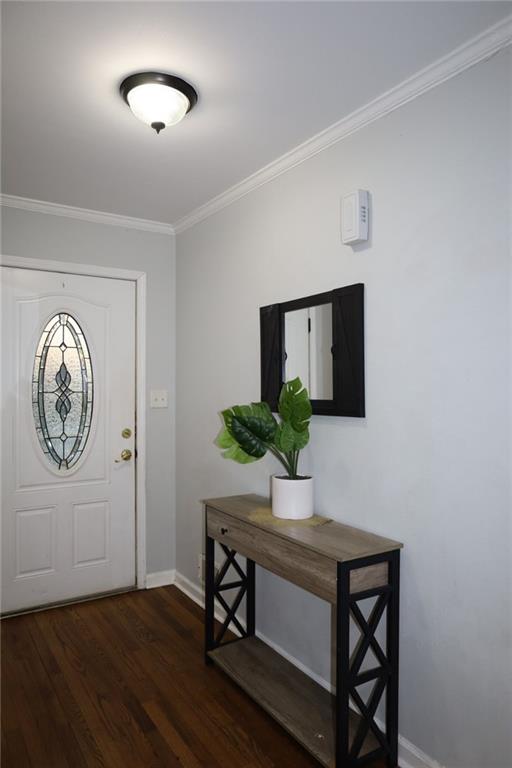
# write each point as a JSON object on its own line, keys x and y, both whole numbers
{"x": 308, "y": 569}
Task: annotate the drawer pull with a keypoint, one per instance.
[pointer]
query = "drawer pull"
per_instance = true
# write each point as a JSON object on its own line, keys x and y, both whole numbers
{"x": 223, "y": 531}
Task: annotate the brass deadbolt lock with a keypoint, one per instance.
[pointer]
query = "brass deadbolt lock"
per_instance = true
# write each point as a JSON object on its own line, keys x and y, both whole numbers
{"x": 126, "y": 433}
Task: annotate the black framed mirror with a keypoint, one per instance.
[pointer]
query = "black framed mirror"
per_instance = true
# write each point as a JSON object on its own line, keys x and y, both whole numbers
{"x": 321, "y": 339}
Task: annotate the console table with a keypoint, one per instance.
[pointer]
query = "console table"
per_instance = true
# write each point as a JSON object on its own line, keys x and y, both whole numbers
{"x": 340, "y": 564}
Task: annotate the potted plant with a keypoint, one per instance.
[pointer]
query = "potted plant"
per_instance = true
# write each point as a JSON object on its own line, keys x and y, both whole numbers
{"x": 251, "y": 430}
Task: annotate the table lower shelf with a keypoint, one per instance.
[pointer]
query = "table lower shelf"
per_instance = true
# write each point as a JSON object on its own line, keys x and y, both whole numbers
{"x": 297, "y": 703}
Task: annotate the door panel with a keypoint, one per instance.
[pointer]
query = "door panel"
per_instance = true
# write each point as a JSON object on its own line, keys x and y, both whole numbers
{"x": 35, "y": 541}
{"x": 66, "y": 532}
{"x": 91, "y": 533}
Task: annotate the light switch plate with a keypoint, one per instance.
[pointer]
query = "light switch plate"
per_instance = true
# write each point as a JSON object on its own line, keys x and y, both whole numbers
{"x": 158, "y": 398}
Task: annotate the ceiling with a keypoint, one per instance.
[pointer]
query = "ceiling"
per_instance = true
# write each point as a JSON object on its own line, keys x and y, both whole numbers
{"x": 269, "y": 75}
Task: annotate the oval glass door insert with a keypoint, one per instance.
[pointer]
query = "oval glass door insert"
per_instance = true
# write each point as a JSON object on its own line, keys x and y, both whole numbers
{"x": 62, "y": 391}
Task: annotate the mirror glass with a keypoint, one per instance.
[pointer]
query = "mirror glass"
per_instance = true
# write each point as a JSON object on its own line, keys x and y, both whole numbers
{"x": 308, "y": 349}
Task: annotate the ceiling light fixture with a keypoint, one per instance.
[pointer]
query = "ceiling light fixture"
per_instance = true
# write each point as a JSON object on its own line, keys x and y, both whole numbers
{"x": 158, "y": 99}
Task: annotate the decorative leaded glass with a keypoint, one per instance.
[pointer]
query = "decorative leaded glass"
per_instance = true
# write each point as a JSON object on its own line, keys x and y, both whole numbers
{"x": 62, "y": 391}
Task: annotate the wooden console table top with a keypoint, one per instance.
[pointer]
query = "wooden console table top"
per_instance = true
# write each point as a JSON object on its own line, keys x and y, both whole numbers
{"x": 336, "y": 541}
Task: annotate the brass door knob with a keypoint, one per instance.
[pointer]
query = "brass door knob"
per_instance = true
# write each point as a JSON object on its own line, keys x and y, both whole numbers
{"x": 126, "y": 455}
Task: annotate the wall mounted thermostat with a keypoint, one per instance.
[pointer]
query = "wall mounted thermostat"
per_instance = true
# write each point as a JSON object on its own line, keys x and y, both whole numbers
{"x": 354, "y": 217}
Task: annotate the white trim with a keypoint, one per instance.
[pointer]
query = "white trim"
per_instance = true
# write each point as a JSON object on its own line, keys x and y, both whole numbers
{"x": 160, "y": 579}
{"x": 409, "y": 755}
{"x": 140, "y": 426}
{"x": 139, "y": 278}
{"x": 472, "y": 52}
{"x": 86, "y": 214}
{"x": 467, "y": 55}
{"x": 51, "y": 265}
{"x": 190, "y": 589}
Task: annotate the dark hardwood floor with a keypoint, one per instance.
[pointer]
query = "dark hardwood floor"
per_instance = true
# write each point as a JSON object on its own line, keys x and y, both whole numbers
{"x": 120, "y": 682}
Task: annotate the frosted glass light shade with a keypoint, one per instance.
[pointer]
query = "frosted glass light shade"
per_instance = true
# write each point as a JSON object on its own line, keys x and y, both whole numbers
{"x": 156, "y": 103}
{"x": 158, "y": 98}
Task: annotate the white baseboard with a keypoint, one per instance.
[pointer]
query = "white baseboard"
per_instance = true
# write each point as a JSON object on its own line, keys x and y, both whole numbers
{"x": 409, "y": 755}
{"x": 196, "y": 593}
{"x": 160, "y": 579}
{"x": 190, "y": 589}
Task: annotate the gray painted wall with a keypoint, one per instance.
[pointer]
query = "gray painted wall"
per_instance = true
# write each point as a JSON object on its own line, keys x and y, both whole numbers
{"x": 430, "y": 465}
{"x": 44, "y": 236}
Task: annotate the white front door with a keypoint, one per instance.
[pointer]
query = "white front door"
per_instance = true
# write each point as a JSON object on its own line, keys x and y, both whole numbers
{"x": 68, "y": 413}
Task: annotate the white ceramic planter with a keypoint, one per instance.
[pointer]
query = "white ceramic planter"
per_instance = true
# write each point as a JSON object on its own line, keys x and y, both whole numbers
{"x": 292, "y": 499}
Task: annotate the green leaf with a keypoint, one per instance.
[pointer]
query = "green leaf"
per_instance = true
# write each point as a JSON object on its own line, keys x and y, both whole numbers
{"x": 251, "y": 434}
{"x": 285, "y": 438}
{"x": 294, "y": 405}
{"x": 301, "y": 439}
{"x": 239, "y": 455}
{"x": 263, "y": 410}
{"x": 224, "y": 439}
{"x": 288, "y": 440}
{"x": 249, "y": 430}
{"x": 242, "y": 410}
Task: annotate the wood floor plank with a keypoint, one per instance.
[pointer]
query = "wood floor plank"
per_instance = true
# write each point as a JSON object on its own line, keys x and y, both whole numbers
{"x": 14, "y": 750}
{"x": 104, "y": 710}
{"x": 177, "y": 744}
{"x": 75, "y": 717}
{"x": 120, "y": 682}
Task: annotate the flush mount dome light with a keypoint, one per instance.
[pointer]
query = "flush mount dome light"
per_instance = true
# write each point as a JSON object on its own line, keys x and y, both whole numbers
{"x": 158, "y": 99}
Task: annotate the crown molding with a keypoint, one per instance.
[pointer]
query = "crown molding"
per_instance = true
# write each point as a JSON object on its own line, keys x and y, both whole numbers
{"x": 457, "y": 61}
{"x": 85, "y": 214}
{"x": 465, "y": 56}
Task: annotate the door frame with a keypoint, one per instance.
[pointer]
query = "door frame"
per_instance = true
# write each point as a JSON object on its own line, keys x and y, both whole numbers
{"x": 139, "y": 278}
